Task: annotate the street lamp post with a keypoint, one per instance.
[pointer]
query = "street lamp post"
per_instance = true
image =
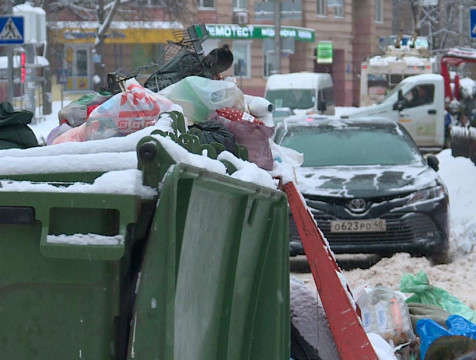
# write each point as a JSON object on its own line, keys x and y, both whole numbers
{"x": 460, "y": 9}
{"x": 277, "y": 36}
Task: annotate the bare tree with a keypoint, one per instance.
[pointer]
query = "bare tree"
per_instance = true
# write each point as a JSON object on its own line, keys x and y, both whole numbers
{"x": 441, "y": 24}
{"x": 105, "y": 11}
{"x": 445, "y": 22}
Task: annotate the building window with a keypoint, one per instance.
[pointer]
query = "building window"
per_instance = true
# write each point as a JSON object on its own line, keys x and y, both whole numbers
{"x": 240, "y": 4}
{"x": 379, "y": 11}
{"x": 338, "y": 7}
{"x": 268, "y": 63}
{"x": 321, "y": 7}
{"x": 241, "y": 59}
{"x": 206, "y": 3}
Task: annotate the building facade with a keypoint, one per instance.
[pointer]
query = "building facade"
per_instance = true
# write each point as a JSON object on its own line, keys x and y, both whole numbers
{"x": 332, "y": 36}
{"x": 349, "y": 29}
{"x": 134, "y": 38}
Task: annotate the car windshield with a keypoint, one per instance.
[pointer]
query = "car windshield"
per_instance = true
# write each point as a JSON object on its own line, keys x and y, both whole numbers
{"x": 350, "y": 146}
{"x": 292, "y": 98}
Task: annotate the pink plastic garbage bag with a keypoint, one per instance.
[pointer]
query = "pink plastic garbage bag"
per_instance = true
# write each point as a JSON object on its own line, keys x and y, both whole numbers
{"x": 121, "y": 115}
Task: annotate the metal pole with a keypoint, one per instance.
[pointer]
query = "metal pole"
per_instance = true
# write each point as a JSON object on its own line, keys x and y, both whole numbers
{"x": 277, "y": 36}
{"x": 10, "y": 59}
{"x": 30, "y": 81}
{"x": 461, "y": 38}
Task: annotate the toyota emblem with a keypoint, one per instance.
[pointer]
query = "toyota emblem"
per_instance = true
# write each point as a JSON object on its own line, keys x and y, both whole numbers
{"x": 357, "y": 205}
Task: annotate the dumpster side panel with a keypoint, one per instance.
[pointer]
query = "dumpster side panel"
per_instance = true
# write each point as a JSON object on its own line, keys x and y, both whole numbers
{"x": 225, "y": 242}
{"x": 53, "y": 308}
{"x": 62, "y": 300}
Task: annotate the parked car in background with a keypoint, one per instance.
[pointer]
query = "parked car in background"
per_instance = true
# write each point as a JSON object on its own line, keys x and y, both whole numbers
{"x": 281, "y": 113}
{"x": 368, "y": 187}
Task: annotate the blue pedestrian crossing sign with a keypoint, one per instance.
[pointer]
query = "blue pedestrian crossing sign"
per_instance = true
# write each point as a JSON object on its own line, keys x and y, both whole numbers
{"x": 12, "y": 30}
{"x": 62, "y": 76}
{"x": 472, "y": 22}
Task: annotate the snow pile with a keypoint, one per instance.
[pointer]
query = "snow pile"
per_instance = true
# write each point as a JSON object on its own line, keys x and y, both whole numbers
{"x": 118, "y": 154}
{"x": 408, "y": 60}
{"x": 459, "y": 174}
{"x": 127, "y": 182}
{"x": 468, "y": 87}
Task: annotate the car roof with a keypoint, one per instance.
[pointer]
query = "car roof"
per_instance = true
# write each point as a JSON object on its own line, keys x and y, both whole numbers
{"x": 285, "y": 126}
{"x": 324, "y": 120}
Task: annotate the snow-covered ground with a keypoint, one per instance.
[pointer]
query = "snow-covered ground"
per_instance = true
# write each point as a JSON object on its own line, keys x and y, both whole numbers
{"x": 457, "y": 277}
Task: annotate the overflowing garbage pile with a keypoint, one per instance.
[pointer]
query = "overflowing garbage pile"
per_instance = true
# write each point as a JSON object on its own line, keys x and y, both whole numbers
{"x": 418, "y": 321}
{"x": 215, "y": 110}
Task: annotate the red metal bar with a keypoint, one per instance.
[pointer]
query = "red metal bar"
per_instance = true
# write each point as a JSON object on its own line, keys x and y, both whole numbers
{"x": 349, "y": 335}
{"x": 447, "y": 82}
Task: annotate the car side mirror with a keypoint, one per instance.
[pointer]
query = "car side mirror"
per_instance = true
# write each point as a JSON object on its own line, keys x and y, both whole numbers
{"x": 322, "y": 106}
{"x": 400, "y": 104}
{"x": 433, "y": 162}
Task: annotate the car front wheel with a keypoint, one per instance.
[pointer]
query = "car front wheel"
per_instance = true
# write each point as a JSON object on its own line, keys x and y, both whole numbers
{"x": 439, "y": 257}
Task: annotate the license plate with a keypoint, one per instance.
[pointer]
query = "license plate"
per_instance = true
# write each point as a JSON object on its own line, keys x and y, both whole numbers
{"x": 368, "y": 225}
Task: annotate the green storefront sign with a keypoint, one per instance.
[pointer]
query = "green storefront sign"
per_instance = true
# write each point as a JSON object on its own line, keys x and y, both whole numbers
{"x": 231, "y": 31}
{"x": 324, "y": 52}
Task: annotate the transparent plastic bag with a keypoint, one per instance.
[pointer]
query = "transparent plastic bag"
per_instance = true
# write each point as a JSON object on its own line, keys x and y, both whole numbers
{"x": 198, "y": 96}
{"x": 385, "y": 313}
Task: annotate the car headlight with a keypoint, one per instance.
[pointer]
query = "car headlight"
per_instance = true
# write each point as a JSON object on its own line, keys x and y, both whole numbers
{"x": 437, "y": 192}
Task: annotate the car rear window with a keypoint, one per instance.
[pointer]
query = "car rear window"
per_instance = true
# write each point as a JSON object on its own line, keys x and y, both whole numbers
{"x": 351, "y": 146}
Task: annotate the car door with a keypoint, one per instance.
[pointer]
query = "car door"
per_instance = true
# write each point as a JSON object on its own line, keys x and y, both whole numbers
{"x": 419, "y": 115}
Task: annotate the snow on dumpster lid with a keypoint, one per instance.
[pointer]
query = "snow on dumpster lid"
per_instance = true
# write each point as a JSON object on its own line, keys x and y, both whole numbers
{"x": 116, "y": 156}
{"x": 124, "y": 182}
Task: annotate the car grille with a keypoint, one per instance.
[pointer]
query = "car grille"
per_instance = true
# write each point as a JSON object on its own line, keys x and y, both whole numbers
{"x": 400, "y": 230}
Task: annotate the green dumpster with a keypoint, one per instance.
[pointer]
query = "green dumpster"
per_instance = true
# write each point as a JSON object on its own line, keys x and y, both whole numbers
{"x": 196, "y": 271}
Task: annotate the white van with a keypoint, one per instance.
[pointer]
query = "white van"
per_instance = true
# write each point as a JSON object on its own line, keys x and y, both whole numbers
{"x": 303, "y": 92}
